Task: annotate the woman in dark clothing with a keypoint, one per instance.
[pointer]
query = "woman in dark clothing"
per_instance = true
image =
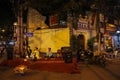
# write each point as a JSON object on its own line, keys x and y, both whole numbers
{"x": 79, "y": 54}
{"x": 29, "y": 51}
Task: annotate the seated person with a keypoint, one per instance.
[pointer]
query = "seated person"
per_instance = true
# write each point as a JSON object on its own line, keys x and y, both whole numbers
{"x": 36, "y": 54}
{"x": 49, "y": 53}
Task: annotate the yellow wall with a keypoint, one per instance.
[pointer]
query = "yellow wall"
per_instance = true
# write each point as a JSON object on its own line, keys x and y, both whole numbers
{"x": 50, "y": 38}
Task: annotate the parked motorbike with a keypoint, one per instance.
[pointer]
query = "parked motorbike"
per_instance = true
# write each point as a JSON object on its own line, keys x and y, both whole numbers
{"x": 100, "y": 60}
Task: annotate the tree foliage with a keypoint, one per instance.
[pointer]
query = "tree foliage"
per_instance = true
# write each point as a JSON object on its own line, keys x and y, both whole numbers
{"x": 90, "y": 43}
{"x": 110, "y": 8}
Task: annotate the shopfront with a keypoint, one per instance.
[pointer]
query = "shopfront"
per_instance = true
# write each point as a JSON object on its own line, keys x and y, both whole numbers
{"x": 110, "y": 37}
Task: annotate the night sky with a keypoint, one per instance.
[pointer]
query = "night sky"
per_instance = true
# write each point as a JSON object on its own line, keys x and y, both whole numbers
{"x": 7, "y": 16}
{"x": 6, "y": 13}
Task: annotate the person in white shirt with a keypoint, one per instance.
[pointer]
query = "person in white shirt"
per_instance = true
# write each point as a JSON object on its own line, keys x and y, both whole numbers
{"x": 49, "y": 53}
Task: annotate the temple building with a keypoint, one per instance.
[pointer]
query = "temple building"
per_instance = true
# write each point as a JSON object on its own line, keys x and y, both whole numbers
{"x": 88, "y": 34}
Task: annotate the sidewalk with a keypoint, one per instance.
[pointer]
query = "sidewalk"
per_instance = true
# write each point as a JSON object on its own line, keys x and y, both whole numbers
{"x": 114, "y": 60}
{"x": 111, "y": 72}
{"x": 3, "y": 58}
{"x": 113, "y": 66}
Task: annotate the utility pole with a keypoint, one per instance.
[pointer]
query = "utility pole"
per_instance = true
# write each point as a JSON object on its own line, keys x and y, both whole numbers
{"x": 96, "y": 8}
{"x": 98, "y": 32}
{"x": 20, "y": 25}
{"x": 20, "y": 28}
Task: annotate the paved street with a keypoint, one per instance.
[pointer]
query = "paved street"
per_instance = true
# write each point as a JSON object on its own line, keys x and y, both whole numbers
{"x": 90, "y": 72}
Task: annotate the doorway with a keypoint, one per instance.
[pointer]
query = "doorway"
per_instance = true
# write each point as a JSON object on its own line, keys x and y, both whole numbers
{"x": 81, "y": 41}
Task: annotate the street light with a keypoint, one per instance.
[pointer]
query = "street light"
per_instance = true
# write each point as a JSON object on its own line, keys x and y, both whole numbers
{"x": 118, "y": 32}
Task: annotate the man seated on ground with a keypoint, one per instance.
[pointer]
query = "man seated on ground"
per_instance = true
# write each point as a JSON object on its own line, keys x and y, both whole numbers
{"x": 49, "y": 53}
